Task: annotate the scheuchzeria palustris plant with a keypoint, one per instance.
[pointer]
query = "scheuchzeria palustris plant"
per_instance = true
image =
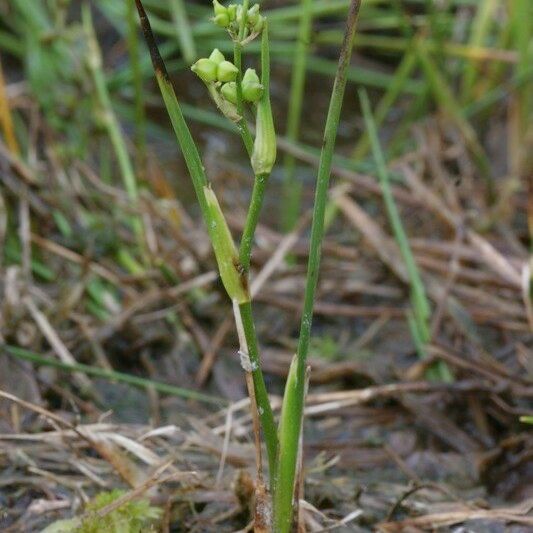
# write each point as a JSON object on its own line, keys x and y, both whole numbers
{"x": 237, "y": 94}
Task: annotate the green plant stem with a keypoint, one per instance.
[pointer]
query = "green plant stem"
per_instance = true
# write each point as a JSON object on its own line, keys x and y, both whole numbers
{"x": 183, "y": 30}
{"x": 478, "y": 33}
{"x": 266, "y": 415}
{"x": 110, "y": 120}
{"x": 137, "y": 76}
{"x": 446, "y": 100}
{"x": 237, "y": 61}
{"x": 136, "y": 381}
{"x": 287, "y": 461}
{"x": 252, "y": 217}
{"x": 419, "y": 322}
{"x": 292, "y": 188}
{"x": 400, "y": 77}
{"x": 261, "y": 180}
{"x": 392, "y": 210}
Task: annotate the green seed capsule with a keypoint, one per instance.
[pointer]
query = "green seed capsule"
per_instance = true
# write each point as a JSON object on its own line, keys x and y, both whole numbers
{"x": 250, "y": 76}
{"x": 232, "y": 12}
{"x": 258, "y": 26}
{"x": 252, "y": 92}
{"x": 229, "y": 92}
{"x": 234, "y": 280}
{"x": 253, "y": 14}
{"x": 227, "y": 71}
{"x": 221, "y": 20}
{"x": 217, "y": 57}
{"x": 205, "y": 69}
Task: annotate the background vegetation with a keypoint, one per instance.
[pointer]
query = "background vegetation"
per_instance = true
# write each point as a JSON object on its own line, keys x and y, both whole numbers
{"x": 119, "y": 365}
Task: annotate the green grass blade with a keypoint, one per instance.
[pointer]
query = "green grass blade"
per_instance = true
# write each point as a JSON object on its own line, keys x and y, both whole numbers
{"x": 419, "y": 324}
{"x": 136, "y": 381}
{"x": 292, "y": 188}
{"x": 183, "y": 30}
{"x": 286, "y": 476}
{"x": 478, "y": 34}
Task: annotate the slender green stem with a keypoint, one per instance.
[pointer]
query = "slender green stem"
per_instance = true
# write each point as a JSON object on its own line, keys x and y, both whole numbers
{"x": 422, "y": 308}
{"x": 400, "y": 77}
{"x": 21, "y": 353}
{"x": 110, "y": 120}
{"x": 263, "y": 404}
{"x": 288, "y": 457}
{"x": 252, "y": 217}
{"x": 445, "y": 98}
{"x": 419, "y": 321}
{"x": 183, "y": 134}
{"x": 183, "y": 30}
{"x": 292, "y": 188}
{"x": 260, "y": 181}
{"x": 137, "y": 76}
{"x": 478, "y": 33}
{"x": 237, "y": 61}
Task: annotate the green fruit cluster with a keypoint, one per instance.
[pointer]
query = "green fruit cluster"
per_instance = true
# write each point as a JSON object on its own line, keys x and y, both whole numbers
{"x": 230, "y": 17}
{"x": 215, "y": 69}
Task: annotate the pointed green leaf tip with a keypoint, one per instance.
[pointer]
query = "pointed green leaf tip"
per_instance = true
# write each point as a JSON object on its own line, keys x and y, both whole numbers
{"x": 234, "y": 281}
{"x": 288, "y": 433}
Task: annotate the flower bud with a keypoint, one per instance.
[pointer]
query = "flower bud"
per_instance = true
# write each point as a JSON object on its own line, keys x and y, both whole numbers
{"x": 221, "y": 20}
{"x": 234, "y": 280}
{"x": 205, "y": 69}
{"x": 227, "y": 71}
{"x": 216, "y": 57}
{"x": 229, "y": 92}
{"x": 218, "y": 8}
